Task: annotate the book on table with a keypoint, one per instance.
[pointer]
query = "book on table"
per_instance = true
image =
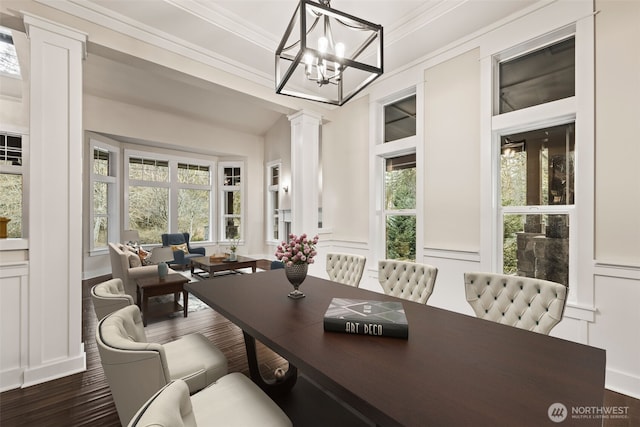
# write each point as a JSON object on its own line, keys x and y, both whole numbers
{"x": 365, "y": 317}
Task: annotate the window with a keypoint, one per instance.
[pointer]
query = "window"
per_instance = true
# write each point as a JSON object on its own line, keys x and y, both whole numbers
{"x": 537, "y": 192}
{"x": 148, "y": 209}
{"x": 545, "y": 75}
{"x": 400, "y": 207}
{"x": 168, "y": 194}
{"x": 8, "y": 57}
{"x": 194, "y": 200}
{"x": 273, "y": 203}
{"x": 537, "y": 166}
{"x": 11, "y": 182}
{"x": 104, "y": 206}
{"x": 231, "y": 183}
{"x": 400, "y": 119}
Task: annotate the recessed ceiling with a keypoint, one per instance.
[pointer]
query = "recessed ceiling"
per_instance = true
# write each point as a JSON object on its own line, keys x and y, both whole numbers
{"x": 241, "y": 36}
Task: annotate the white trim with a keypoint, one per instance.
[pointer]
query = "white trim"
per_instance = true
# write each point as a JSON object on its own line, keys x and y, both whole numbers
{"x": 470, "y": 256}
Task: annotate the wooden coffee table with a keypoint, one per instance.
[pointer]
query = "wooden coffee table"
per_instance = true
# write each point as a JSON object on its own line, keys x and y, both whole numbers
{"x": 155, "y": 286}
{"x": 210, "y": 267}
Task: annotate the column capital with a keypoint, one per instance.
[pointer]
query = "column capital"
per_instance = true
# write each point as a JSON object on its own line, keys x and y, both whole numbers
{"x": 33, "y": 21}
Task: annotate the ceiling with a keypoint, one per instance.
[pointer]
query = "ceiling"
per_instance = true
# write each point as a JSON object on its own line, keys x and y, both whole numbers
{"x": 240, "y": 37}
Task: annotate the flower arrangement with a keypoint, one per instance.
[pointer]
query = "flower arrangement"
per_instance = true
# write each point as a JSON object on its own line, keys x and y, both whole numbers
{"x": 299, "y": 250}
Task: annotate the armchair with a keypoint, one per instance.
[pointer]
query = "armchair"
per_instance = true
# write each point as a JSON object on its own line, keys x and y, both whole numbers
{"x": 108, "y": 297}
{"x": 231, "y": 401}
{"x": 125, "y": 267}
{"x": 135, "y": 369}
{"x": 180, "y": 256}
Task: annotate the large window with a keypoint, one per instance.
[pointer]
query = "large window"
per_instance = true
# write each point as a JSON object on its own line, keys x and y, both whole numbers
{"x": 194, "y": 200}
{"x": 396, "y": 152}
{"x": 400, "y": 207}
{"x": 11, "y": 182}
{"x": 537, "y": 166}
{"x": 104, "y": 207}
{"x": 167, "y": 194}
{"x": 273, "y": 203}
{"x": 231, "y": 185}
{"x": 537, "y": 192}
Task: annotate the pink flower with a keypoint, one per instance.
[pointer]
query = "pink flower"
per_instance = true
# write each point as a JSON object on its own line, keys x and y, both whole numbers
{"x": 298, "y": 250}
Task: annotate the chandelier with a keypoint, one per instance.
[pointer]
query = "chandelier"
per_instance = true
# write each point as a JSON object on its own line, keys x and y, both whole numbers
{"x": 326, "y": 55}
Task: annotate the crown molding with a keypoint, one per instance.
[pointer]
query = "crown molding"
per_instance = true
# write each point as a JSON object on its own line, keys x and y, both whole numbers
{"x": 99, "y": 15}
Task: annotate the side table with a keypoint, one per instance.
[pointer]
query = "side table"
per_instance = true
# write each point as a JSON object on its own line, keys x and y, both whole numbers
{"x": 155, "y": 286}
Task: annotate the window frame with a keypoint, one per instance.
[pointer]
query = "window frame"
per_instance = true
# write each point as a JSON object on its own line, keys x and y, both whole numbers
{"x": 558, "y": 23}
{"x": 113, "y": 201}
{"x": 380, "y": 152}
{"x": 173, "y": 185}
{"x": 222, "y": 190}
{"x": 274, "y": 191}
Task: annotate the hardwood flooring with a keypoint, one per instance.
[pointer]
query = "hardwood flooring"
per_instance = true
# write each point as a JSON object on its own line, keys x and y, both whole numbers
{"x": 84, "y": 399}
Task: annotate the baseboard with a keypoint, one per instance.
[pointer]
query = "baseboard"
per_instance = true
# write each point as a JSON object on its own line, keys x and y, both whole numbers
{"x": 622, "y": 382}
{"x": 52, "y": 371}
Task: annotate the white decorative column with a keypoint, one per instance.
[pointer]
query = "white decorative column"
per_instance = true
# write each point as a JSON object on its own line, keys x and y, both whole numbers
{"x": 305, "y": 146}
{"x": 55, "y": 202}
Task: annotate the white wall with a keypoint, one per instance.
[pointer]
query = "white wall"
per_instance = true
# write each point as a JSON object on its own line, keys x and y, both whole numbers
{"x": 176, "y": 135}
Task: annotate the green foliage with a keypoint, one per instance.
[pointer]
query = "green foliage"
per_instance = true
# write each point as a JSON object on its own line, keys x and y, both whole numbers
{"x": 400, "y": 193}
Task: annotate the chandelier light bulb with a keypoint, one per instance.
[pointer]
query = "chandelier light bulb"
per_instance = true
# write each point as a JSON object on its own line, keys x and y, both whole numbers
{"x": 323, "y": 44}
{"x": 340, "y": 50}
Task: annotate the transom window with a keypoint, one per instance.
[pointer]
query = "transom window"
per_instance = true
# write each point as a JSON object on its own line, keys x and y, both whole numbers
{"x": 400, "y": 119}
{"x": 544, "y": 75}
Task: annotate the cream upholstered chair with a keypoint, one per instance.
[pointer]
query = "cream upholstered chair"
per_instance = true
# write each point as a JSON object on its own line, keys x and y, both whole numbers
{"x": 409, "y": 280}
{"x": 524, "y": 302}
{"x": 232, "y": 401}
{"x": 126, "y": 267}
{"x": 108, "y": 297}
{"x": 135, "y": 369}
{"x": 345, "y": 268}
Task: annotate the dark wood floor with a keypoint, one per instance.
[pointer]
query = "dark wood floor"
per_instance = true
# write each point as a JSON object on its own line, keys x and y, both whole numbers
{"x": 84, "y": 399}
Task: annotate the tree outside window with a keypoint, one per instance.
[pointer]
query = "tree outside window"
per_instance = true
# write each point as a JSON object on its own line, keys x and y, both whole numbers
{"x": 400, "y": 207}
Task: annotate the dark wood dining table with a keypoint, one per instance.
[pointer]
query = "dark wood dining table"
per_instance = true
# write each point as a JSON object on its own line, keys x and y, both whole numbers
{"x": 453, "y": 370}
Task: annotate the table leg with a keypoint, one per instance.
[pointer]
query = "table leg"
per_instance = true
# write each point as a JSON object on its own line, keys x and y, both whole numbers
{"x": 271, "y": 387}
{"x": 185, "y": 301}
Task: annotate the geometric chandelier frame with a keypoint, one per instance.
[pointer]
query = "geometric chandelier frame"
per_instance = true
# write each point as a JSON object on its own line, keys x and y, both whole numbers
{"x": 326, "y": 55}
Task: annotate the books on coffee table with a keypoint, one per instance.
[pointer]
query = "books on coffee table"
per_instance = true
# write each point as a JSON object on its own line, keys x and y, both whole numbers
{"x": 364, "y": 317}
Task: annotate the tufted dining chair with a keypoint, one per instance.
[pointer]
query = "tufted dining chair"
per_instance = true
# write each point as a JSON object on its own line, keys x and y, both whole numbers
{"x": 524, "y": 302}
{"x": 231, "y": 401}
{"x": 408, "y": 280}
{"x": 345, "y": 268}
{"x": 135, "y": 369}
{"x": 108, "y": 297}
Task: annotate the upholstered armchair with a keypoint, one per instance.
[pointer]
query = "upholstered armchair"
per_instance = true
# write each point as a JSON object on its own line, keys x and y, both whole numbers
{"x": 232, "y": 401}
{"x": 408, "y": 280}
{"x": 182, "y": 250}
{"x": 108, "y": 297}
{"x": 126, "y": 266}
{"x": 524, "y": 302}
{"x": 345, "y": 268}
{"x": 135, "y": 369}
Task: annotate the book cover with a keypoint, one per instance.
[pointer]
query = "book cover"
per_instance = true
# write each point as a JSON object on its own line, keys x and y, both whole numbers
{"x": 364, "y": 317}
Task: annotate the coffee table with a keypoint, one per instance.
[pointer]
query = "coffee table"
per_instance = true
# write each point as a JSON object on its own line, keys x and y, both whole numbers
{"x": 210, "y": 267}
{"x": 155, "y": 286}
